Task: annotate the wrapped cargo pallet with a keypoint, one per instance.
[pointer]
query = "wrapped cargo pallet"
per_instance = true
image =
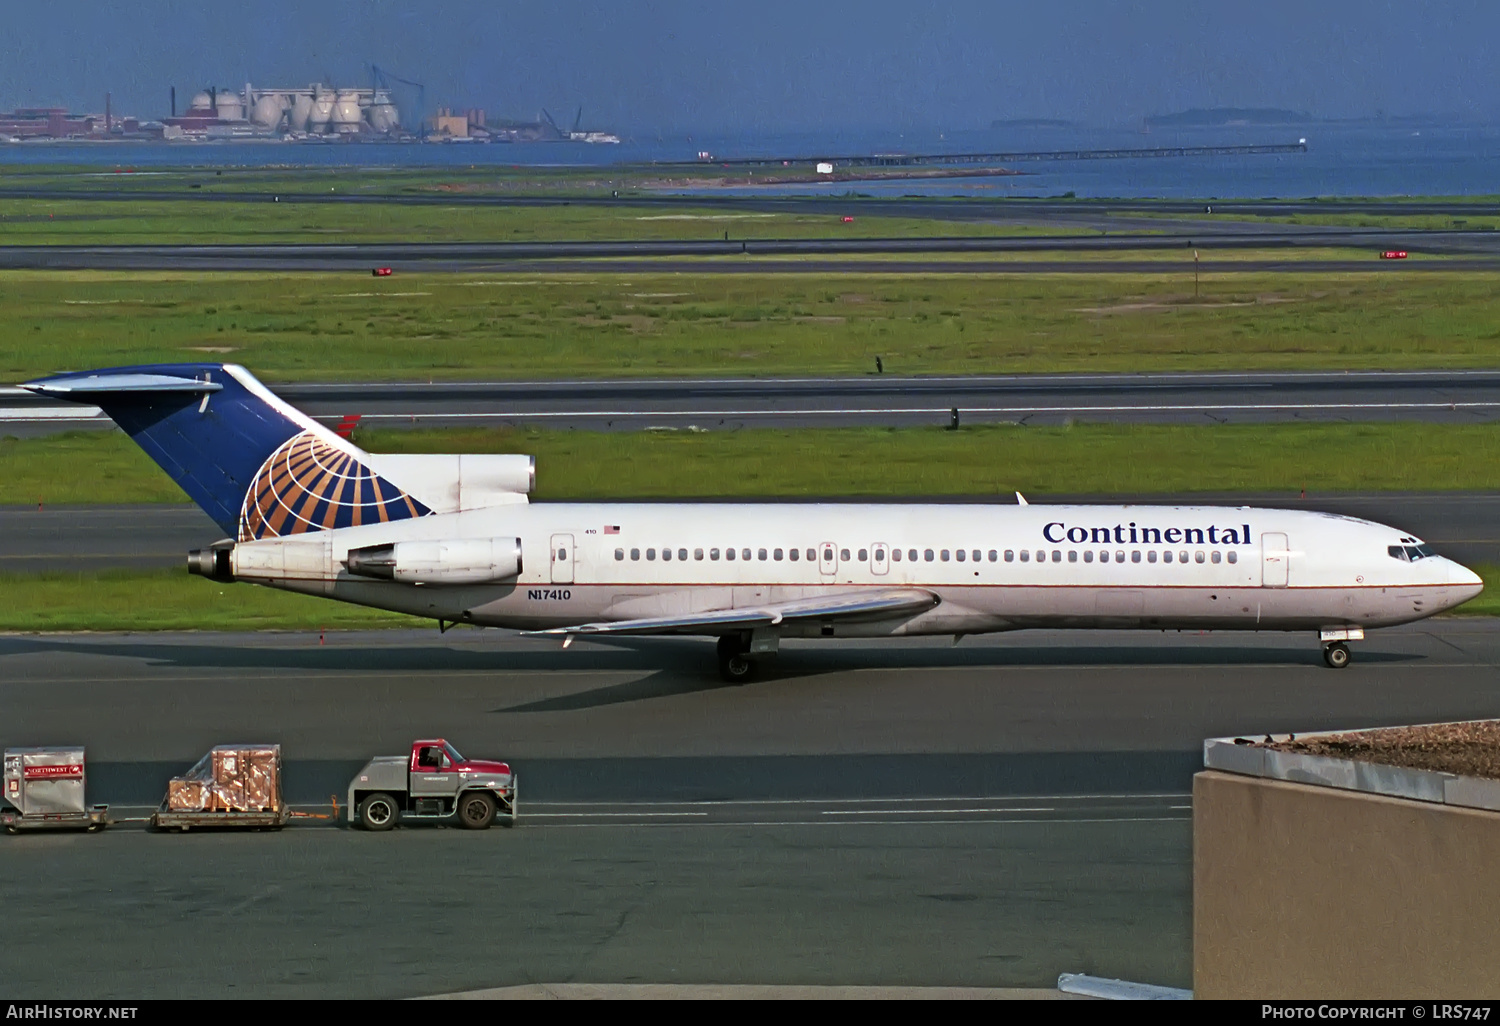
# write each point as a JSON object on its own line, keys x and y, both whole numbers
{"x": 230, "y": 778}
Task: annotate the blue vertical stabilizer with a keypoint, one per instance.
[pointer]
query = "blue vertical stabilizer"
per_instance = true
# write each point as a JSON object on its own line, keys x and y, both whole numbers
{"x": 215, "y": 430}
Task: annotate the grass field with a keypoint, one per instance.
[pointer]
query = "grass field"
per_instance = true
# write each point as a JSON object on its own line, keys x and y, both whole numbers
{"x": 171, "y": 600}
{"x": 106, "y": 467}
{"x": 333, "y": 326}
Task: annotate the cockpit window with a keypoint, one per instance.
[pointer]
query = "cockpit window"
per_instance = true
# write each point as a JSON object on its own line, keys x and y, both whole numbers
{"x": 1409, "y": 553}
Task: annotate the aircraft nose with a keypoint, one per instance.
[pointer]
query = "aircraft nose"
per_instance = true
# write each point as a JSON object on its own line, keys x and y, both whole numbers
{"x": 1467, "y": 581}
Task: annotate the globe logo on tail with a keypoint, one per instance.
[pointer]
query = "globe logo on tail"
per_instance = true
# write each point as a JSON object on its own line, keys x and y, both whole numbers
{"x": 308, "y": 484}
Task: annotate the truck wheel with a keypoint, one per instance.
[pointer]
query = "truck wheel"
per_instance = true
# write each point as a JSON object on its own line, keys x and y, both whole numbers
{"x": 476, "y": 810}
{"x": 378, "y": 812}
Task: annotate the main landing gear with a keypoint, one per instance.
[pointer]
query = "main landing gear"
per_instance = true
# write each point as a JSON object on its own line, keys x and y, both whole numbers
{"x": 735, "y": 664}
{"x": 1336, "y": 655}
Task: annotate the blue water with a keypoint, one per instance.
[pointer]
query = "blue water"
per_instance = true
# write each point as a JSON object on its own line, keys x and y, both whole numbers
{"x": 1342, "y": 160}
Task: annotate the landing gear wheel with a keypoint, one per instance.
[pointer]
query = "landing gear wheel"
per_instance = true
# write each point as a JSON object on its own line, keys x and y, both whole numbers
{"x": 735, "y": 665}
{"x": 1336, "y": 655}
{"x": 378, "y": 812}
{"x": 476, "y": 811}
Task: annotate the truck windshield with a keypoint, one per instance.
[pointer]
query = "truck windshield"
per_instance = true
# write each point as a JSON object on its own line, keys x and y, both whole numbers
{"x": 453, "y": 757}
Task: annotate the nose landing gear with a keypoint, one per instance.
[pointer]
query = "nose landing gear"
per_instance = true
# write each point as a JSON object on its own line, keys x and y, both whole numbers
{"x": 1336, "y": 655}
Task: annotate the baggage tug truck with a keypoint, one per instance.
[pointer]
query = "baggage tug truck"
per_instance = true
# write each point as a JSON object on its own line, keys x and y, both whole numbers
{"x": 432, "y": 783}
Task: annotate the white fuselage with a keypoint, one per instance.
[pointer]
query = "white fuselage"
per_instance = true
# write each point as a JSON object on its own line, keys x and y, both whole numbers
{"x": 992, "y": 567}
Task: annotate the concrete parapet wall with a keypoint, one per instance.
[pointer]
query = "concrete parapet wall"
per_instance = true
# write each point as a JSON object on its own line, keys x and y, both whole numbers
{"x": 1303, "y": 891}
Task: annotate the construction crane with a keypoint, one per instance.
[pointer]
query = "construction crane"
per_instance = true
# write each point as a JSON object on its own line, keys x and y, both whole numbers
{"x": 382, "y": 79}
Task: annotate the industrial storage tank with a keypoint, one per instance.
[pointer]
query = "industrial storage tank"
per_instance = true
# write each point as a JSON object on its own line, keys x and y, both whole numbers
{"x": 268, "y": 110}
{"x": 348, "y": 116}
{"x": 384, "y": 117}
{"x": 322, "y": 110}
{"x": 230, "y": 106}
{"x": 201, "y": 102}
{"x": 301, "y": 110}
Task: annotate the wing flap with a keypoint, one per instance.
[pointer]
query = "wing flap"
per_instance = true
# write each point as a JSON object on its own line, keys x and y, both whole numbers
{"x": 864, "y": 605}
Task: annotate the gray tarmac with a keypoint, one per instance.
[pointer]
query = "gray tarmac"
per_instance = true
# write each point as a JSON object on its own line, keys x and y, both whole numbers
{"x": 906, "y": 813}
{"x": 85, "y": 539}
{"x": 872, "y": 399}
{"x": 1470, "y": 251}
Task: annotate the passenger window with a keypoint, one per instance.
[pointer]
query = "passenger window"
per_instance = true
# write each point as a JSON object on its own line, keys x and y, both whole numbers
{"x": 794, "y": 553}
{"x": 1057, "y": 555}
{"x": 1010, "y": 555}
{"x": 895, "y": 555}
{"x": 1215, "y": 556}
{"x": 729, "y": 554}
{"x": 993, "y": 555}
{"x": 1135, "y": 556}
{"x": 960, "y": 555}
{"x": 745, "y": 554}
{"x": 943, "y": 555}
{"x": 635, "y": 554}
{"x": 1166, "y": 557}
{"x": 1104, "y": 557}
{"x": 697, "y": 553}
{"x": 1234, "y": 557}
{"x": 929, "y": 555}
{"x": 619, "y": 555}
{"x": 666, "y": 555}
{"x": 1088, "y": 556}
{"x": 761, "y": 555}
{"x": 651, "y": 554}
{"x": 1119, "y": 557}
{"x": 776, "y": 555}
{"x": 864, "y": 554}
{"x": 1198, "y": 556}
{"x": 976, "y": 556}
{"x": 1151, "y": 556}
{"x": 828, "y": 555}
{"x": 1025, "y": 555}
{"x": 713, "y": 554}
{"x": 844, "y": 555}
{"x": 1182, "y": 556}
{"x": 682, "y": 554}
{"x": 1041, "y": 557}
{"x": 1072, "y": 555}
{"x": 812, "y": 555}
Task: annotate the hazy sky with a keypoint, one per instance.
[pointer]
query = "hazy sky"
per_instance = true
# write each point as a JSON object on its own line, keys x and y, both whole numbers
{"x": 663, "y": 65}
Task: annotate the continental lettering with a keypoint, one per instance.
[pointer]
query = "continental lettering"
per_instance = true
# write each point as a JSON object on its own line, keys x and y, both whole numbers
{"x": 1134, "y": 534}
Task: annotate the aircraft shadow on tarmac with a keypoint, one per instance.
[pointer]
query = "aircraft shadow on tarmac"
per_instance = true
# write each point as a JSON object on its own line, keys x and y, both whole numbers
{"x": 688, "y": 655}
{"x": 689, "y": 671}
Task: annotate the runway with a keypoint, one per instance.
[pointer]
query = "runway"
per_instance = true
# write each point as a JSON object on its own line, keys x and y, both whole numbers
{"x": 887, "y": 400}
{"x": 88, "y": 539}
{"x": 758, "y": 256}
{"x": 901, "y": 813}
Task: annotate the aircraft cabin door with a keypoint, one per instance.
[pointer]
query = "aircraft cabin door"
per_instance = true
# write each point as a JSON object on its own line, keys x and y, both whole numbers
{"x": 562, "y": 559}
{"x": 879, "y": 556}
{"x": 828, "y": 559}
{"x": 1275, "y": 561}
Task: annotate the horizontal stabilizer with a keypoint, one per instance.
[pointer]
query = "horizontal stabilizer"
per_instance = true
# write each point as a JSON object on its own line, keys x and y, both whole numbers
{"x": 883, "y": 604}
{"x": 85, "y": 387}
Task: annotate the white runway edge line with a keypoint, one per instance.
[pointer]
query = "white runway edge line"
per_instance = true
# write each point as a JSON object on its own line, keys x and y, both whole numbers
{"x": 865, "y": 411}
{"x": 86, "y": 413}
{"x": 1129, "y": 796}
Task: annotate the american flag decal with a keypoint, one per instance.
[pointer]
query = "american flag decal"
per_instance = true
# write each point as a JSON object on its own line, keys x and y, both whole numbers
{"x": 611, "y": 529}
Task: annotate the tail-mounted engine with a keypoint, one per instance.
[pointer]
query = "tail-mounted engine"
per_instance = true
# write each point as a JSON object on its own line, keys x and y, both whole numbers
{"x": 451, "y": 561}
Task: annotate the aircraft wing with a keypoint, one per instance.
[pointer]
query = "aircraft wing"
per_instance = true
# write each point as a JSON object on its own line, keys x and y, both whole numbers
{"x": 864, "y": 605}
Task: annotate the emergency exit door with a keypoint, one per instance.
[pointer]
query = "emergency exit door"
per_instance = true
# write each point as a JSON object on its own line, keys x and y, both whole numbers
{"x": 562, "y": 559}
{"x": 1274, "y": 560}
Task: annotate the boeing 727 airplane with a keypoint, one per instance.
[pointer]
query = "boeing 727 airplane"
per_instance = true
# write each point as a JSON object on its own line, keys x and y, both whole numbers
{"x": 456, "y": 539}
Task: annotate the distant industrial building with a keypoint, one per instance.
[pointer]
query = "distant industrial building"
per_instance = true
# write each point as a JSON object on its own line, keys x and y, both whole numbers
{"x": 41, "y": 123}
{"x": 300, "y": 112}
